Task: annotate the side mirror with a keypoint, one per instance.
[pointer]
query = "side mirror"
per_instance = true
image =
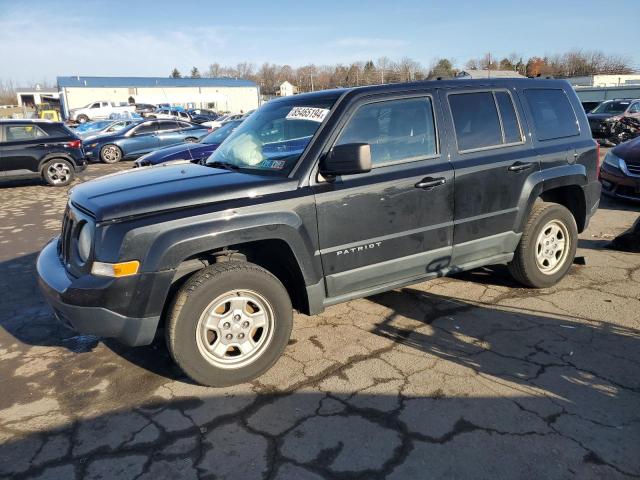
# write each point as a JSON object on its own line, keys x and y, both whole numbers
{"x": 347, "y": 159}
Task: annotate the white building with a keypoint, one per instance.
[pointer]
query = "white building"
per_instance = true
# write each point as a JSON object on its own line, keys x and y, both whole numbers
{"x": 221, "y": 94}
{"x": 605, "y": 80}
{"x": 287, "y": 89}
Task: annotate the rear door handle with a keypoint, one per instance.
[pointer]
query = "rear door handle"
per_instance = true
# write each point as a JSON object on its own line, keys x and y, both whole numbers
{"x": 429, "y": 182}
{"x": 520, "y": 166}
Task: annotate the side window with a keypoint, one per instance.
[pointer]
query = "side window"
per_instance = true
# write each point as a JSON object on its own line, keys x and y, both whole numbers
{"x": 17, "y": 133}
{"x": 184, "y": 125}
{"x": 635, "y": 108}
{"x": 510, "y": 125}
{"x": 96, "y": 105}
{"x": 146, "y": 128}
{"x": 396, "y": 129}
{"x": 475, "y": 119}
{"x": 167, "y": 125}
{"x": 105, "y": 104}
{"x": 553, "y": 116}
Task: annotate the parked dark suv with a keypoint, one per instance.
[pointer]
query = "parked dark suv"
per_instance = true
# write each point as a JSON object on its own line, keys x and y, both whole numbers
{"x": 321, "y": 198}
{"x": 39, "y": 148}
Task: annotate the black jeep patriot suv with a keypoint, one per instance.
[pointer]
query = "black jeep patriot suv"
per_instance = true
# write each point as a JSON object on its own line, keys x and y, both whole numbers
{"x": 320, "y": 198}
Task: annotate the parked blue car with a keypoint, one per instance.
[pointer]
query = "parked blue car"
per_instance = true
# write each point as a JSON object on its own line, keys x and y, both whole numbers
{"x": 141, "y": 138}
{"x": 194, "y": 152}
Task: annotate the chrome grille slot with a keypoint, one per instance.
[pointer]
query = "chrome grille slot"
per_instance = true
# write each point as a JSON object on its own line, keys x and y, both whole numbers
{"x": 635, "y": 169}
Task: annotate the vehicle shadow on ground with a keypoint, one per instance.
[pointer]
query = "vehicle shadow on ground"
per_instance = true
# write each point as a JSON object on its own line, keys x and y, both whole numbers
{"x": 476, "y": 389}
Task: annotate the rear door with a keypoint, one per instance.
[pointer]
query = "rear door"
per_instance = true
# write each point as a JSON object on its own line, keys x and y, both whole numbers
{"x": 23, "y": 147}
{"x": 492, "y": 160}
{"x": 395, "y": 222}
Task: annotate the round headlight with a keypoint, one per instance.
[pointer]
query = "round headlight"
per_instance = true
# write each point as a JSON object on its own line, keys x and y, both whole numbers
{"x": 84, "y": 241}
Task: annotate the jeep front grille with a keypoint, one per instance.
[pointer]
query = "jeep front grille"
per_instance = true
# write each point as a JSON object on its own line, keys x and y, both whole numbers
{"x": 64, "y": 247}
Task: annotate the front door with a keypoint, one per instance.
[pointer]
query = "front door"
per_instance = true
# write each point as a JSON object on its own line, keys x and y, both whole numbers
{"x": 143, "y": 139}
{"x": 169, "y": 133}
{"x": 394, "y": 223}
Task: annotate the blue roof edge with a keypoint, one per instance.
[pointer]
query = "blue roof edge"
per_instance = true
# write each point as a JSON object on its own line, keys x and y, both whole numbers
{"x": 120, "y": 82}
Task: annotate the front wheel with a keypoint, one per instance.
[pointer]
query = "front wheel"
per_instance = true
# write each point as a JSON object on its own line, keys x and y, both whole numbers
{"x": 229, "y": 323}
{"x": 110, "y": 154}
{"x": 191, "y": 140}
{"x": 547, "y": 247}
{"x": 82, "y": 118}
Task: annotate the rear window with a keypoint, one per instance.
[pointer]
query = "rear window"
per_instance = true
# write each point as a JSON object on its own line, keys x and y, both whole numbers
{"x": 553, "y": 116}
{"x": 15, "y": 133}
{"x": 477, "y": 123}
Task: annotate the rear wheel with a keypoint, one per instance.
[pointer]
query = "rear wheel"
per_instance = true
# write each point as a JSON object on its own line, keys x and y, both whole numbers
{"x": 229, "y": 323}
{"x": 58, "y": 172}
{"x": 547, "y": 247}
{"x": 110, "y": 154}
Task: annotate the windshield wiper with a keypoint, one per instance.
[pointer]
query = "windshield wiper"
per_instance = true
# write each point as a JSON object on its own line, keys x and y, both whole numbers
{"x": 224, "y": 165}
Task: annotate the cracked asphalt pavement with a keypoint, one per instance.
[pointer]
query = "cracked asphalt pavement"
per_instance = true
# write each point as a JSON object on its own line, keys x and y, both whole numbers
{"x": 460, "y": 377}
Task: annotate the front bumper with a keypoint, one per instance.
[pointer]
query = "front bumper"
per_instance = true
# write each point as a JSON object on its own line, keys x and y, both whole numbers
{"x": 102, "y": 306}
{"x": 616, "y": 183}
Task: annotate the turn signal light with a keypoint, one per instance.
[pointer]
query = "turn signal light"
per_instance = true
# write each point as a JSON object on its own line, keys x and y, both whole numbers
{"x": 122, "y": 269}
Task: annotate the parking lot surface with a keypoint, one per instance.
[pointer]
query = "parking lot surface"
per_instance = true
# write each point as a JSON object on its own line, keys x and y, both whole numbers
{"x": 469, "y": 376}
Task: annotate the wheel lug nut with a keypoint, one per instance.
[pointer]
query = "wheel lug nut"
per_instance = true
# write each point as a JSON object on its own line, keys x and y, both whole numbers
{"x": 228, "y": 336}
{"x": 236, "y": 317}
{"x": 245, "y": 324}
{"x": 226, "y": 325}
{"x": 241, "y": 336}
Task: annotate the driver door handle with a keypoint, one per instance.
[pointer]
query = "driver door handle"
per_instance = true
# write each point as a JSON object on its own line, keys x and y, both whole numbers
{"x": 429, "y": 182}
{"x": 520, "y": 166}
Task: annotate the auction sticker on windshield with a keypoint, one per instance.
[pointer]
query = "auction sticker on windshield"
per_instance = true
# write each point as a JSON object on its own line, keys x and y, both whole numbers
{"x": 308, "y": 113}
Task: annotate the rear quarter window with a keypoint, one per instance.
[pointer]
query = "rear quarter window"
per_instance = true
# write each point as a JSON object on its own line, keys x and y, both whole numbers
{"x": 553, "y": 115}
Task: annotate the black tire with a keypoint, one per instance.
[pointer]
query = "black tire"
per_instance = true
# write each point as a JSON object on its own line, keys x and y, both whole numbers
{"x": 82, "y": 118}
{"x": 197, "y": 296}
{"x": 58, "y": 172}
{"x": 110, "y": 153}
{"x": 525, "y": 268}
{"x": 190, "y": 140}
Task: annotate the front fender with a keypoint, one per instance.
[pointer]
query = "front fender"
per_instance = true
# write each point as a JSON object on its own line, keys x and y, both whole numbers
{"x": 544, "y": 180}
{"x": 163, "y": 246}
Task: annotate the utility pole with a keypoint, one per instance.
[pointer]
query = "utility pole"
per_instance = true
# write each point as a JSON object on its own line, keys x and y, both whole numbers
{"x": 311, "y": 77}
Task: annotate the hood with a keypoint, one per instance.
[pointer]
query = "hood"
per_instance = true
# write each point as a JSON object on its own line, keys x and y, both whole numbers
{"x": 171, "y": 186}
{"x": 183, "y": 151}
{"x": 629, "y": 151}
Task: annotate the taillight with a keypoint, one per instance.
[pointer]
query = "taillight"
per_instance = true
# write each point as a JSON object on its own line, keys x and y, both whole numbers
{"x": 209, "y": 129}
{"x": 74, "y": 144}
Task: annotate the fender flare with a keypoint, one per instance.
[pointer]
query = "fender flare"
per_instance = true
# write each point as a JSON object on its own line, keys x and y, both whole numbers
{"x": 188, "y": 237}
{"x": 544, "y": 180}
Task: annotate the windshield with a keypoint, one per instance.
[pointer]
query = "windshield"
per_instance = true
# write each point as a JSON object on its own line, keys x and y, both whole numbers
{"x": 611, "y": 107}
{"x": 219, "y": 135}
{"x": 274, "y": 137}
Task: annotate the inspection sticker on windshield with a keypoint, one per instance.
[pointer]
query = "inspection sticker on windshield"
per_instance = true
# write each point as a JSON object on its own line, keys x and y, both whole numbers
{"x": 308, "y": 113}
{"x": 273, "y": 164}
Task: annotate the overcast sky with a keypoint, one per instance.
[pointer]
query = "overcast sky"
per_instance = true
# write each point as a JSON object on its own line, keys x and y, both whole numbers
{"x": 40, "y": 40}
